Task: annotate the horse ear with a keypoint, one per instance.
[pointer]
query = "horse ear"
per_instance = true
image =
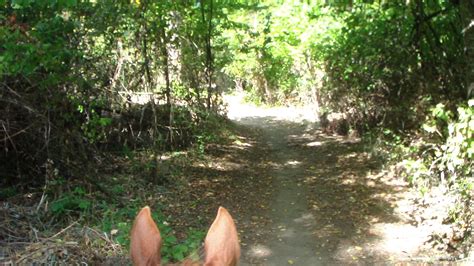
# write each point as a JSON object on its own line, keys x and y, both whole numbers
{"x": 145, "y": 240}
{"x": 221, "y": 245}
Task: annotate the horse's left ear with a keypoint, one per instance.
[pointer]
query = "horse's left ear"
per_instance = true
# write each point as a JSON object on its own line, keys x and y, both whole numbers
{"x": 145, "y": 240}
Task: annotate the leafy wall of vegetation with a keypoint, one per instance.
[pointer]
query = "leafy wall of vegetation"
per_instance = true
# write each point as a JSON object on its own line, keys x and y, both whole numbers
{"x": 71, "y": 70}
{"x": 383, "y": 64}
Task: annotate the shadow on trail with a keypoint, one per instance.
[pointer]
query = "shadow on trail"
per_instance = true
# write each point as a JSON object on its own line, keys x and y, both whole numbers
{"x": 324, "y": 197}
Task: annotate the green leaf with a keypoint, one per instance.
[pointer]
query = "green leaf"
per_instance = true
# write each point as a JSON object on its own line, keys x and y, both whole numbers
{"x": 84, "y": 204}
{"x": 171, "y": 240}
{"x": 105, "y": 121}
{"x": 429, "y": 128}
{"x": 20, "y": 4}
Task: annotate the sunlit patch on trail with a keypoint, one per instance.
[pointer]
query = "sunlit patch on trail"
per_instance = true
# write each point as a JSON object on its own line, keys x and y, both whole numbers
{"x": 293, "y": 163}
{"x": 259, "y": 251}
{"x": 307, "y": 219}
{"x": 242, "y": 145}
{"x": 390, "y": 242}
{"x": 314, "y": 144}
{"x": 399, "y": 239}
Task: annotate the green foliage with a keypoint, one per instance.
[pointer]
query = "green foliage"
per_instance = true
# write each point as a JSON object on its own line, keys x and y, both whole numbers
{"x": 344, "y": 55}
{"x": 118, "y": 220}
{"x": 266, "y": 55}
{"x": 6, "y": 192}
{"x": 374, "y": 85}
{"x": 386, "y": 145}
{"x": 417, "y": 172}
{"x": 74, "y": 201}
{"x": 445, "y": 154}
{"x": 253, "y": 96}
{"x": 201, "y": 142}
{"x": 211, "y": 130}
{"x": 94, "y": 128}
{"x": 459, "y": 149}
{"x": 174, "y": 251}
{"x": 453, "y": 155}
{"x": 38, "y": 77}
{"x": 65, "y": 66}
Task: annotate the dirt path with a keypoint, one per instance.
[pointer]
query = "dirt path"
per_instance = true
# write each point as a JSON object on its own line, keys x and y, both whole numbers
{"x": 325, "y": 201}
{"x": 291, "y": 239}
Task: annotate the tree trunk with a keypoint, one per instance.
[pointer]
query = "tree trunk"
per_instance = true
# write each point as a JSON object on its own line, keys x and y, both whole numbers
{"x": 163, "y": 42}
{"x": 166, "y": 68}
{"x": 350, "y": 5}
{"x": 148, "y": 80}
{"x": 209, "y": 59}
{"x": 467, "y": 15}
{"x": 419, "y": 15}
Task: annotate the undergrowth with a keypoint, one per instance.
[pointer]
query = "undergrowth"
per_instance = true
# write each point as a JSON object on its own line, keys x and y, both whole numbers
{"x": 438, "y": 156}
{"x": 108, "y": 204}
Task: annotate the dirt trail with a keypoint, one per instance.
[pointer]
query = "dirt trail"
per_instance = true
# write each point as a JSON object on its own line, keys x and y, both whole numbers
{"x": 328, "y": 202}
{"x": 292, "y": 225}
{"x": 289, "y": 239}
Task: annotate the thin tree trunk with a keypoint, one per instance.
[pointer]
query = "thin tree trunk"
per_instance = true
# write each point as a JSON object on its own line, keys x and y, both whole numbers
{"x": 209, "y": 58}
{"x": 149, "y": 82}
{"x": 467, "y": 15}
{"x": 146, "y": 62}
{"x": 118, "y": 69}
{"x": 166, "y": 72}
{"x": 419, "y": 15}
{"x": 165, "y": 57}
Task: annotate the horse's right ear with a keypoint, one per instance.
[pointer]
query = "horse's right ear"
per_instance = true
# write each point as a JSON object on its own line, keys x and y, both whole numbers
{"x": 145, "y": 240}
{"x": 222, "y": 241}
